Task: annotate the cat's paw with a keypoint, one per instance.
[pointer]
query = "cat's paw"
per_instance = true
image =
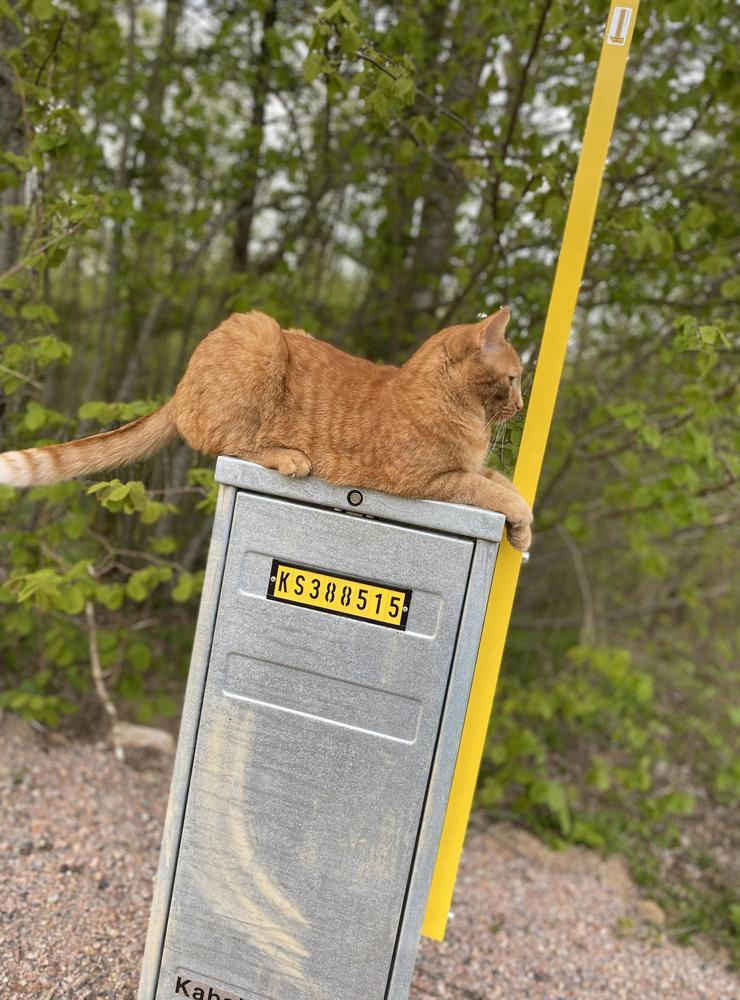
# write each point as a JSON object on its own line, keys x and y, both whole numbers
{"x": 294, "y": 464}
{"x": 518, "y": 512}
{"x": 519, "y": 517}
{"x": 520, "y": 536}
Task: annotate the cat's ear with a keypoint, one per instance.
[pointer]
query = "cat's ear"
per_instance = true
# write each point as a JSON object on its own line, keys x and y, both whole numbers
{"x": 492, "y": 330}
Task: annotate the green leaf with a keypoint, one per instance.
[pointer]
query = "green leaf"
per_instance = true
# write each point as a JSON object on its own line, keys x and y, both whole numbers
{"x": 407, "y": 150}
{"x": 676, "y": 804}
{"x": 164, "y": 706}
{"x": 650, "y": 435}
{"x": 93, "y": 411}
{"x": 46, "y": 350}
{"x": 423, "y": 131}
{"x": 491, "y": 793}
{"x": 586, "y": 833}
{"x": 137, "y": 495}
{"x": 184, "y": 587}
{"x": 600, "y": 775}
{"x": 71, "y": 600}
{"x": 43, "y": 10}
{"x": 110, "y": 595}
{"x": 119, "y": 492}
{"x": 404, "y": 89}
{"x": 164, "y": 545}
{"x": 350, "y": 41}
{"x": 552, "y": 795}
{"x": 39, "y": 311}
{"x": 104, "y": 413}
{"x": 139, "y": 655}
{"x": 554, "y": 208}
{"x": 138, "y": 585}
{"x": 730, "y": 289}
{"x": 153, "y": 510}
{"x": 35, "y": 416}
{"x": 74, "y": 524}
{"x": 313, "y": 66}
{"x": 99, "y": 487}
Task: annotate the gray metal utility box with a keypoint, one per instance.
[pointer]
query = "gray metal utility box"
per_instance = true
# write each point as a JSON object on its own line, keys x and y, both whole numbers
{"x": 333, "y": 657}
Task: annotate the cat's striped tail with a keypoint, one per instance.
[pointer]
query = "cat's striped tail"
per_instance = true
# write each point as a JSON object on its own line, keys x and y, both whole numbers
{"x": 56, "y": 462}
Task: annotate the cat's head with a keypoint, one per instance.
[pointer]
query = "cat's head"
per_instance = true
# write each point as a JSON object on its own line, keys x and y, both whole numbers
{"x": 477, "y": 362}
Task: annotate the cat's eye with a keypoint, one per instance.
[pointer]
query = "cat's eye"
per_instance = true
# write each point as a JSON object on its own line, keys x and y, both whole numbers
{"x": 512, "y": 379}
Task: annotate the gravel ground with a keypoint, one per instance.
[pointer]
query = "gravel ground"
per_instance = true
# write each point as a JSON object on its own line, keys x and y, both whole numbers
{"x": 79, "y": 836}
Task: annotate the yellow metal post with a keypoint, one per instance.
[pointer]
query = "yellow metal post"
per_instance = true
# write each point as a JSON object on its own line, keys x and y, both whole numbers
{"x": 568, "y": 274}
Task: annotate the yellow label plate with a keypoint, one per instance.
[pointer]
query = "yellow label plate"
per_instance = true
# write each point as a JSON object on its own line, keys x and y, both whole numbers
{"x": 339, "y": 595}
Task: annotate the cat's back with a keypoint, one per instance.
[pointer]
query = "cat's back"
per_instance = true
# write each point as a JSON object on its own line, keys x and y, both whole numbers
{"x": 287, "y": 375}
{"x": 311, "y": 357}
{"x": 243, "y": 349}
{"x": 327, "y": 387}
{"x": 254, "y": 333}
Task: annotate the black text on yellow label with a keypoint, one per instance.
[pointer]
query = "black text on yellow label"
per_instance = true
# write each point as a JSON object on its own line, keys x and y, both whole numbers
{"x": 339, "y": 595}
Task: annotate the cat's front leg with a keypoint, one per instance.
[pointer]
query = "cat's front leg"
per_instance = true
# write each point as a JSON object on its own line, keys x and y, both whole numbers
{"x": 498, "y": 477}
{"x": 493, "y": 492}
{"x": 520, "y": 535}
{"x": 290, "y": 461}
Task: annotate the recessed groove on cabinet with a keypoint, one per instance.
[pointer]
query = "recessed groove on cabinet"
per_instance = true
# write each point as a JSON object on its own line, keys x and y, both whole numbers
{"x": 326, "y": 699}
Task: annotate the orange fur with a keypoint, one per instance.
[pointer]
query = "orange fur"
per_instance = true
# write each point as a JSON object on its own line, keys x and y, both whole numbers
{"x": 298, "y": 405}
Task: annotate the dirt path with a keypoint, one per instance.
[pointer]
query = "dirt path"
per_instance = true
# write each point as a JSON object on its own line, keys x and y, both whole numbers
{"x": 79, "y": 837}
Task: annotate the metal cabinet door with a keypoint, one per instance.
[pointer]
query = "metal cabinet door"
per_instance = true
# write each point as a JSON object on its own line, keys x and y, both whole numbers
{"x": 313, "y": 754}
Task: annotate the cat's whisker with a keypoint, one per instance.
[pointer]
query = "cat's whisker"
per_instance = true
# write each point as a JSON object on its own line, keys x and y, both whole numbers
{"x": 498, "y": 436}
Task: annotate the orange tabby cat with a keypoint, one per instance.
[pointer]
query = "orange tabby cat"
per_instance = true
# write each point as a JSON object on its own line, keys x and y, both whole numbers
{"x": 299, "y": 405}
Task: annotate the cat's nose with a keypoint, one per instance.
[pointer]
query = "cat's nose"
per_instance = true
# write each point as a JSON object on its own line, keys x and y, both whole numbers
{"x": 519, "y": 403}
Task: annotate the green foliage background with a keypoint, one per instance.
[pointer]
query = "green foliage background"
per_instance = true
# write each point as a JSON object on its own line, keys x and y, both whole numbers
{"x": 371, "y": 174}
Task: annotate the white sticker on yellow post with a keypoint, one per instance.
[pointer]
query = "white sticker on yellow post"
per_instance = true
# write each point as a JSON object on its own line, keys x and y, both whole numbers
{"x": 619, "y": 27}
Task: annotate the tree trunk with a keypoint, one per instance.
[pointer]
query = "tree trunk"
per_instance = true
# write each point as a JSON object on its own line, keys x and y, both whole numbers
{"x": 106, "y": 325}
{"x": 383, "y": 307}
{"x": 151, "y": 143}
{"x": 151, "y": 150}
{"x": 446, "y": 187}
{"x": 11, "y": 141}
{"x": 248, "y": 177}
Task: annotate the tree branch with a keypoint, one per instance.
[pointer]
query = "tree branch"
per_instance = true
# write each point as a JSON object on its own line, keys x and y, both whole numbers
{"x": 97, "y": 675}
